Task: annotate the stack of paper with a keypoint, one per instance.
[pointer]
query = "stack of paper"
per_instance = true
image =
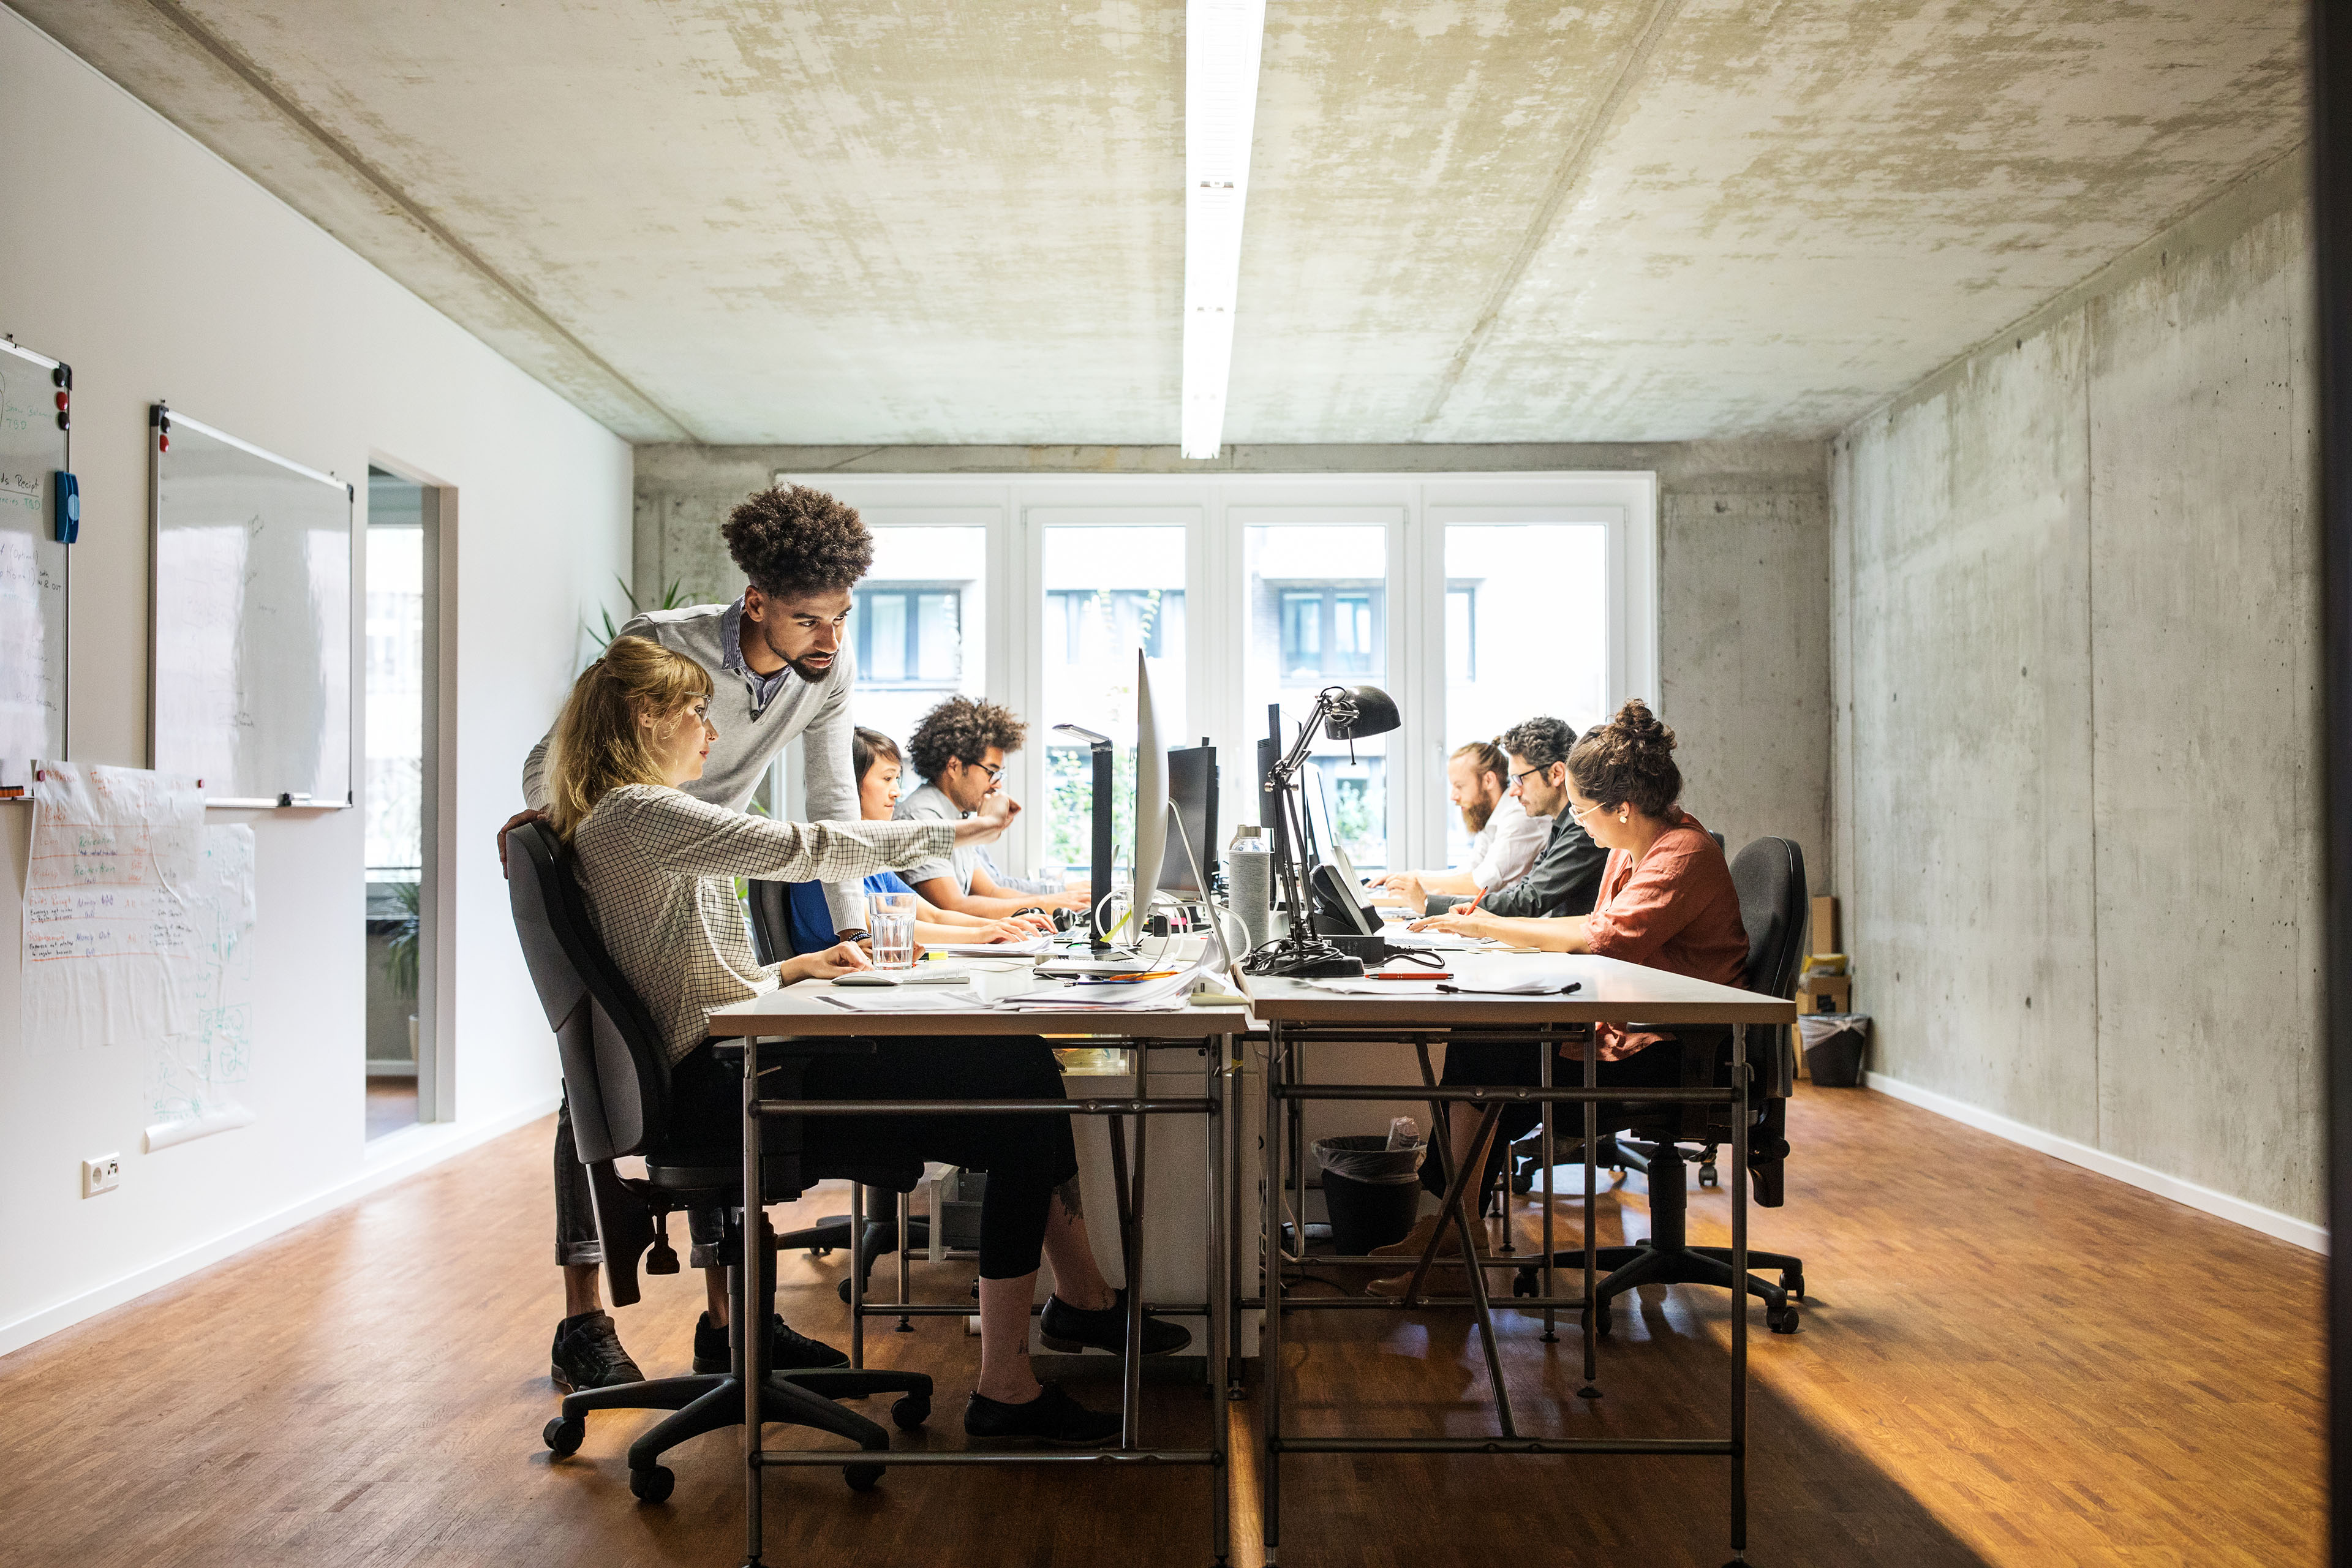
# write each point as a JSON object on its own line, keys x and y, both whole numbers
{"x": 901, "y": 999}
{"x": 1168, "y": 992}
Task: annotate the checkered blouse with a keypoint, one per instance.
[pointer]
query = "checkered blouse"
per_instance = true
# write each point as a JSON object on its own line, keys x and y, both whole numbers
{"x": 657, "y": 869}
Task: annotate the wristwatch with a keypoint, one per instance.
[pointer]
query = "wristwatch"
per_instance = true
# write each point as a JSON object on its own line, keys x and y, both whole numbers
{"x": 852, "y": 936}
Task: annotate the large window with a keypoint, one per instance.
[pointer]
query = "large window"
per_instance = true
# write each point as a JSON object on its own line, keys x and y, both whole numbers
{"x": 1317, "y": 595}
{"x": 1110, "y": 592}
{"x": 1527, "y": 632}
{"x": 1475, "y": 600}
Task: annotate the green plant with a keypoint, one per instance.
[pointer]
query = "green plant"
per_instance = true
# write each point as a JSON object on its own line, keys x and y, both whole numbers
{"x": 673, "y": 597}
{"x": 400, "y": 953}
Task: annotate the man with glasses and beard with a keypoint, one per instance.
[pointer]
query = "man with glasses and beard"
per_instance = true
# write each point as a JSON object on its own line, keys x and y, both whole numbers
{"x": 1505, "y": 839}
{"x": 959, "y": 748}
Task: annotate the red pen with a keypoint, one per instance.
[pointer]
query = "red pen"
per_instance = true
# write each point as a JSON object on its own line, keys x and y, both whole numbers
{"x": 1408, "y": 974}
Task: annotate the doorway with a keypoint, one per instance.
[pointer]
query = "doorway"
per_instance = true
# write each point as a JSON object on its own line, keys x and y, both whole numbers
{"x": 404, "y": 1083}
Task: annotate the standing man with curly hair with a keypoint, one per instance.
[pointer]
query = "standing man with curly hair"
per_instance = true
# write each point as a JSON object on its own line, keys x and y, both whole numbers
{"x": 959, "y": 748}
{"x": 780, "y": 669}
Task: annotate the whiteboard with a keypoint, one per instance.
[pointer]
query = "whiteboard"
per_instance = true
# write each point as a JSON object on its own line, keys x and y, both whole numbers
{"x": 251, "y": 609}
{"x": 33, "y": 450}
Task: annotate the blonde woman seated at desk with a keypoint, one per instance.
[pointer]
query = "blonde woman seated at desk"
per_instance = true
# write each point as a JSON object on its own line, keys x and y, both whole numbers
{"x": 1667, "y": 902}
{"x": 657, "y": 869}
{"x": 875, "y": 757}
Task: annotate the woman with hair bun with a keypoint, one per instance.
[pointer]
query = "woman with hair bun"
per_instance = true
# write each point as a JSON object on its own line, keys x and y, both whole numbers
{"x": 1666, "y": 902}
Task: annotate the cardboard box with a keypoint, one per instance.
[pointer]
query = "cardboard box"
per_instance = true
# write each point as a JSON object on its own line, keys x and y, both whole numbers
{"x": 1825, "y": 993}
{"x": 1825, "y": 933}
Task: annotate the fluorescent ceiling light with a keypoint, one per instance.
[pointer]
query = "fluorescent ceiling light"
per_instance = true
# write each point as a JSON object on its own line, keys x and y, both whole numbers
{"x": 1221, "y": 42}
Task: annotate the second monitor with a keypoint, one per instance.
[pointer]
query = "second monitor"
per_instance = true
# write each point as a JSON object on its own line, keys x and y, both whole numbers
{"x": 1192, "y": 791}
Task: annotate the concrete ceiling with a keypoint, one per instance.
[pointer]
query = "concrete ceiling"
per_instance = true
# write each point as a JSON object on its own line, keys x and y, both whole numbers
{"x": 869, "y": 222}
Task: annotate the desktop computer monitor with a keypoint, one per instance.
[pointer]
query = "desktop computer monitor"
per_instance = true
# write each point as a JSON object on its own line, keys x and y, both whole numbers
{"x": 1193, "y": 790}
{"x": 1151, "y": 805}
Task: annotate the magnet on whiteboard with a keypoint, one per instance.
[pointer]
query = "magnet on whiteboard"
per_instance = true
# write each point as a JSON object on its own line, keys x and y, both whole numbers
{"x": 67, "y": 518}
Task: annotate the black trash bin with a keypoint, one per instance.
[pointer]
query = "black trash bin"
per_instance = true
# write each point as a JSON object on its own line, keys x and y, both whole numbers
{"x": 1372, "y": 1191}
{"x": 1834, "y": 1044}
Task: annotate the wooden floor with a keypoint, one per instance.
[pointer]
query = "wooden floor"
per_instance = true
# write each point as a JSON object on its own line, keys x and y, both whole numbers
{"x": 391, "y": 1105}
{"x": 2005, "y": 1361}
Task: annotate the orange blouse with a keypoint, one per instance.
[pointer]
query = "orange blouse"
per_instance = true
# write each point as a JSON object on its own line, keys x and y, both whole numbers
{"x": 1676, "y": 910}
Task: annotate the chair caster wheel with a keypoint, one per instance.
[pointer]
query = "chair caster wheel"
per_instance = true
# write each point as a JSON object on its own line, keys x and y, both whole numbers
{"x": 1781, "y": 1320}
{"x": 652, "y": 1484}
{"x": 1708, "y": 1176}
{"x": 1794, "y": 1284}
{"x": 1604, "y": 1319}
{"x": 1523, "y": 1283}
{"x": 819, "y": 1252}
{"x": 910, "y": 1412}
{"x": 862, "y": 1477}
{"x": 564, "y": 1435}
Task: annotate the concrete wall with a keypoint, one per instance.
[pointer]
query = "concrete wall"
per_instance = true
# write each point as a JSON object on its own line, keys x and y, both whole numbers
{"x": 1744, "y": 612}
{"x": 158, "y": 271}
{"x": 2076, "y": 712}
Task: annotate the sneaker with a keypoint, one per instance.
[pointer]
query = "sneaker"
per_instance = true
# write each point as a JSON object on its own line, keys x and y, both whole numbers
{"x": 1068, "y": 1329}
{"x": 1052, "y": 1417}
{"x": 787, "y": 1352}
{"x": 587, "y": 1353}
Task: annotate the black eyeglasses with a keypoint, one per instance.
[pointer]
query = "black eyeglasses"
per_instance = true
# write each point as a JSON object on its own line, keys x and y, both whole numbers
{"x": 1530, "y": 773}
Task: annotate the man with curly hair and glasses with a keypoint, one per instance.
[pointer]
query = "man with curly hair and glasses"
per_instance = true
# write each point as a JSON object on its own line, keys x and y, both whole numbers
{"x": 778, "y": 668}
{"x": 959, "y": 748}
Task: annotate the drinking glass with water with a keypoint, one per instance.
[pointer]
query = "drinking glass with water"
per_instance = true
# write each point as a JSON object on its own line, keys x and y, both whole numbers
{"x": 893, "y": 915}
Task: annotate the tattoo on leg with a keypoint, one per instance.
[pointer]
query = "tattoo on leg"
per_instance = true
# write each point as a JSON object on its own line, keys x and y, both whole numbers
{"x": 1068, "y": 1193}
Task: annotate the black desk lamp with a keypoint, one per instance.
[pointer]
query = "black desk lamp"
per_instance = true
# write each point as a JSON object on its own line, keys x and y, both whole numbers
{"x": 1344, "y": 713}
{"x": 1100, "y": 907}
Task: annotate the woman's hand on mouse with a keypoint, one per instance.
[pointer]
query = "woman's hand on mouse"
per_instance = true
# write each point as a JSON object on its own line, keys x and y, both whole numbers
{"x": 842, "y": 958}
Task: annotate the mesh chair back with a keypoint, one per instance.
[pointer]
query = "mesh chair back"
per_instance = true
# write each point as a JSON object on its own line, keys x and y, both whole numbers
{"x": 771, "y": 922}
{"x": 616, "y": 1073}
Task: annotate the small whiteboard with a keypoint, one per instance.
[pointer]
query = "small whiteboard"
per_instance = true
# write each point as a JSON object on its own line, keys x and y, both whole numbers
{"x": 252, "y": 615}
{"x": 33, "y": 451}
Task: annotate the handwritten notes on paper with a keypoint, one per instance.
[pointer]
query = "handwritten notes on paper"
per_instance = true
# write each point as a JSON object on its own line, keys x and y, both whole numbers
{"x": 109, "y": 936}
{"x": 137, "y": 920}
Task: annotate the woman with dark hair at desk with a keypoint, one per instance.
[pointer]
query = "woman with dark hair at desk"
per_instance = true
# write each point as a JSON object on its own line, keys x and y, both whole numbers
{"x": 1666, "y": 902}
{"x": 658, "y": 868}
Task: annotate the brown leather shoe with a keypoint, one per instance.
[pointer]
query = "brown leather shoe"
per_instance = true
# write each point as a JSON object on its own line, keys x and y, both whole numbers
{"x": 1416, "y": 1240}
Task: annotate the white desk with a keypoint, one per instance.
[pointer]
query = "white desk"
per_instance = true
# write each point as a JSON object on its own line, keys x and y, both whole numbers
{"x": 801, "y": 1012}
{"x": 1299, "y": 1014}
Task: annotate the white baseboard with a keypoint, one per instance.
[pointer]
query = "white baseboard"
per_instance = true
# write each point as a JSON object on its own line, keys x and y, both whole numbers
{"x": 390, "y": 1159}
{"x": 2254, "y": 1216}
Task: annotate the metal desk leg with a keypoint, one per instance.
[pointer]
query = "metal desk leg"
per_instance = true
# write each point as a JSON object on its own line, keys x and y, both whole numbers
{"x": 1236, "y": 1124}
{"x": 753, "y": 1346}
{"x": 1551, "y": 1314}
{"x": 1592, "y": 1389}
{"x": 1212, "y": 1135}
{"x": 1739, "y": 1101}
{"x": 1130, "y": 1433}
{"x": 1270, "y": 1333}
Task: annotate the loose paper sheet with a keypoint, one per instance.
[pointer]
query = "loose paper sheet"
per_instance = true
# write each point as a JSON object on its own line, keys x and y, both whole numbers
{"x": 111, "y": 942}
{"x": 138, "y": 921}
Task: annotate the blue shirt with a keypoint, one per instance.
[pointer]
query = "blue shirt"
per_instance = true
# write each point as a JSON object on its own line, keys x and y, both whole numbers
{"x": 810, "y": 923}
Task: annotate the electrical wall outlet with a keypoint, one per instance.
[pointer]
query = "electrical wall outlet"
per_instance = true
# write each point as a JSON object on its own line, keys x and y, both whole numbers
{"x": 102, "y": 1174}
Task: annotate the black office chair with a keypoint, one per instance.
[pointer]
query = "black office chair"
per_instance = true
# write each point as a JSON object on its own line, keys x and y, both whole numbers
{"x": 772, "y": 941}
{"x": 616, "y": 1077}
{"x": 1769, "y": 875}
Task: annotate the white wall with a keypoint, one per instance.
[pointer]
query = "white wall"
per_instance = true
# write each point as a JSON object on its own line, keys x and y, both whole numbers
{"x": 158, "y": 271}
{"x": 2077, "y": 775}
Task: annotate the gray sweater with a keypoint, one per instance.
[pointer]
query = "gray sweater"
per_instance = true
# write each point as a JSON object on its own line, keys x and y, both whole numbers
{"x": 747, "y": 742}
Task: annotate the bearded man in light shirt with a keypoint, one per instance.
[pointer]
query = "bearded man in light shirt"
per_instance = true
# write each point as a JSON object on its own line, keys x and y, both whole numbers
{"x": 1503, "y": 843}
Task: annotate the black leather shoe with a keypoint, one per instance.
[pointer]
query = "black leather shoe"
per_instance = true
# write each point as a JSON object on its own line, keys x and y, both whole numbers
{"x": 787, "y": 1352}
{"x": 1052, "y": 1417}
{"x": 1063, "y": 1328}
{"x": 587, "y": 1353}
